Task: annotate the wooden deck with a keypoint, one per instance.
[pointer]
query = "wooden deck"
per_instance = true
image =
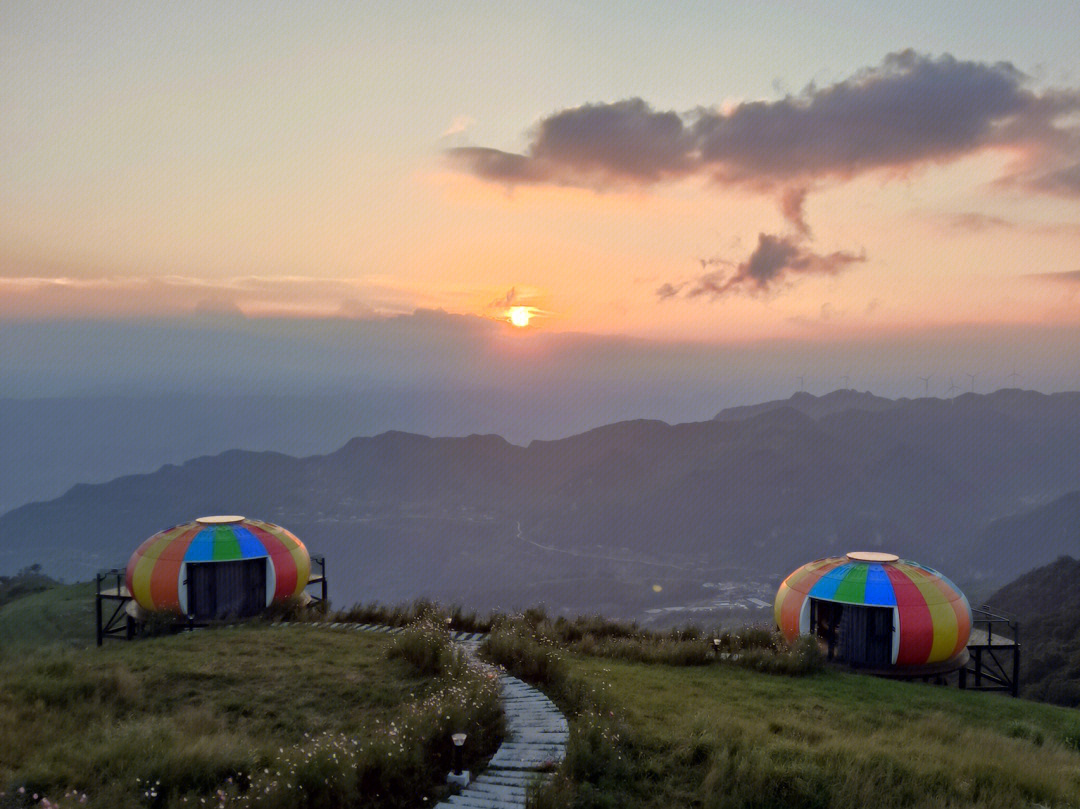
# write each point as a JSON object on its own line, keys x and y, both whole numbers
{"x": 980, "y": 637}
{"x": 116, "y": 593}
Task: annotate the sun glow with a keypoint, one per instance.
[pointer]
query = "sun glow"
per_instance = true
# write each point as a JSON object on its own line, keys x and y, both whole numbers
{"x": 519, "y": 316}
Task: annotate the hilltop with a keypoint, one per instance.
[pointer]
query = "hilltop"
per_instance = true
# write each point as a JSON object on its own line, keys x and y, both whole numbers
{"x": 620, "y": 519}
{"x": 269, "y": 708}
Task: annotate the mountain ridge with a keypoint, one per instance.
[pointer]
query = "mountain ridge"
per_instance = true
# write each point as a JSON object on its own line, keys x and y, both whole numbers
{"x": 464, "y": 517}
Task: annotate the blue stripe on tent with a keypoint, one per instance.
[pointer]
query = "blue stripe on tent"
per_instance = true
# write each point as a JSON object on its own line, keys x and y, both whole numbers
{"x": 201, "y": 548}
{"x": 825, "y": 587}
{"x": 879, "y": 590}
{"x": 250, "y": 546}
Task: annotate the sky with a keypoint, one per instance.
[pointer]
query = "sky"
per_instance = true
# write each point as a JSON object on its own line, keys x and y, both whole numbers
{"x": 865, "y": 188}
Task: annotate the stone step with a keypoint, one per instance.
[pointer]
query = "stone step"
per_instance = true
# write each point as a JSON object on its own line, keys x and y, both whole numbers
{"x": 471, "y": 799}
{"x": 498, "y": 792}
{"x": 509, "y": 777}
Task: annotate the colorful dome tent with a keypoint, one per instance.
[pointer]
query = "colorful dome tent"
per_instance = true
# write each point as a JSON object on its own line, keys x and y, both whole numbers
{"x": 877, "y": 611}
{"x": 218, "y": 567}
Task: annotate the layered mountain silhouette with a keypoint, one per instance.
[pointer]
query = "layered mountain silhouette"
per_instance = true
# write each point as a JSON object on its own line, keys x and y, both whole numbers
{"x": 814, "y": 406}
{"x": 592, "y": 519}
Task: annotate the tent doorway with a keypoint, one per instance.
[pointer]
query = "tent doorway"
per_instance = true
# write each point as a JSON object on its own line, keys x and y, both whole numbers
{"x": 854, "y": 633}
{"x": 219, "y": 590}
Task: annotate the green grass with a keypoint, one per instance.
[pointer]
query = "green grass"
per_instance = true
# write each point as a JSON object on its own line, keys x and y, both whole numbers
{"x": 26, "y": 582}
{"x": 721, "y": 736}
{"x": 247, "y": 716}
{"x": 62, "y": 615}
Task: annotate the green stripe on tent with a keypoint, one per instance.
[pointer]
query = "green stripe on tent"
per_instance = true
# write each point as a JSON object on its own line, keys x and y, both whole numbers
{"x": 226, "y": 546}
{"x": 852, "y": 589}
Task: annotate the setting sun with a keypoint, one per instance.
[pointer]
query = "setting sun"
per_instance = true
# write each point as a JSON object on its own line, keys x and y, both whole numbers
{"x": 519, "y": 316}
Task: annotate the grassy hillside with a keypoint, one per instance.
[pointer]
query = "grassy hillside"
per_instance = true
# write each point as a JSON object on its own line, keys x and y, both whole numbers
{"x": 62, "y": 615}
{"x": 26, "y": 582}
{"x": 720, "y": 736}
{"x": 659, "y": 721}
{"x": 259, "y": 716}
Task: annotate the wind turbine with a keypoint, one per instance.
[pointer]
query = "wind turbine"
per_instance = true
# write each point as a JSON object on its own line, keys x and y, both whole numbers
{"x": 1013, "y": 376}
{"x": 925, "y": 383}
{"x": 844, "y": 380}
{"x": 972, "y": 378}
{"x": 802, "y": 382}
{"x": 952, "y": 386}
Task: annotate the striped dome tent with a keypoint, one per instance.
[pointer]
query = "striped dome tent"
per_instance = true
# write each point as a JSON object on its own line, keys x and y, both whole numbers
{"x": 216, "y": 567}
{"x": 923, "y": 616}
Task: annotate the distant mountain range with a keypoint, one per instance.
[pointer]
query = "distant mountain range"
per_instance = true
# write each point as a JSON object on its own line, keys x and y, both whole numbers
{"x": 49, "y": 445}
{"x": 815, "y": 406}
{"x": 634, "y": 515}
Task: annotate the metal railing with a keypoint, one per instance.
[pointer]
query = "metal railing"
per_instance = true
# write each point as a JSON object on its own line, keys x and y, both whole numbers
{"x": 989, "y": 666}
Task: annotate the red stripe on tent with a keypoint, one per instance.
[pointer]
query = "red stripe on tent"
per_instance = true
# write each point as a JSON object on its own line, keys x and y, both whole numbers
{"x": 165, "y": 585}
{"x": 916, "y": 625}
{"x": 282, "y": 560}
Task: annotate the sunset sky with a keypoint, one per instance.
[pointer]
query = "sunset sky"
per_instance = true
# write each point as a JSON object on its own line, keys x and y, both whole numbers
{"x": 706, "y": 174}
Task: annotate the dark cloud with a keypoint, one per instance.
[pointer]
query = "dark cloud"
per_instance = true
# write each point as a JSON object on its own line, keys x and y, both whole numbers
{"x": 976, "y": 221}
{"x": 792, "y": 201}
{"x": 1063, "y": 181}
{"x": 909, "y": 110}
{"x": 668, "y": 291}
{"x": 505, "y": 300}
{"x": 597, "y": 144}
{"x": 1066, "y": 277}
{"x": 492, "y": 164}
{"x": 776, "y": 261}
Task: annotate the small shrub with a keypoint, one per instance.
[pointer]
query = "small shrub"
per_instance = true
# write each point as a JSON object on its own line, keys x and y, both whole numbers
{"x": 558, "y": 793}
{"x": 292, "y": 610}
{"x": 427, "y": 646}
{"x": 668, "y": 650}
{"x": 595, "y": 751}
{"x": 525, "y": 654}
{"x": 751, "y": 637}
{"x": 1071, "y": 740}
{"x": 1025, "y": 730}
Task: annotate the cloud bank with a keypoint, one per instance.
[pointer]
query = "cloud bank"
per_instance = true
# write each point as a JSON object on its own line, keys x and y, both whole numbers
{"x": 180, "y": 296}
{"x": 909, "y": 111}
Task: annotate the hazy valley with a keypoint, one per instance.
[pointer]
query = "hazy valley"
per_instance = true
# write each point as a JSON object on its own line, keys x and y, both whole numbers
{"x": 640, "y": 519}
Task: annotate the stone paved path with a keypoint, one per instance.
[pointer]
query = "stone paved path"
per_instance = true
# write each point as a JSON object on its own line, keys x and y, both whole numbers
{"x": 536, "y": 734}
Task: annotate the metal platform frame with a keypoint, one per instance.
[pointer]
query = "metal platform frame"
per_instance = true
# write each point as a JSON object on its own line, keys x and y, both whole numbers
{"x": 112, "y": 590}
{"x": 994, "y": 647}
{"x": 319, "y": 579}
